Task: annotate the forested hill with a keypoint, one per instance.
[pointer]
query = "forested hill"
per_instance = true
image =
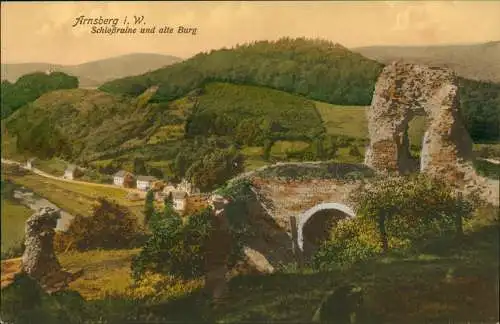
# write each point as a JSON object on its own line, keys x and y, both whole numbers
{"x": 31, "y": 86}
{"x": 316, "y": 69}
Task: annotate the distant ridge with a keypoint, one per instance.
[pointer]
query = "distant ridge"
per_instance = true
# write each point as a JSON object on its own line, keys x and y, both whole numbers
{"x": 473, "y": 61}
{"x": 94, "y": 73}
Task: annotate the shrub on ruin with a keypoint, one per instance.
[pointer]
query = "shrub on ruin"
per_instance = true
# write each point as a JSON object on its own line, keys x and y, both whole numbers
{"x": 111, "y": 226}
{"x": 411, "y": 208}
{"x": 351, "y": 241}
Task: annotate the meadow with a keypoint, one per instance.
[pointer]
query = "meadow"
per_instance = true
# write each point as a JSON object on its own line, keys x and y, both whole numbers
{"x": 14, "y": 216}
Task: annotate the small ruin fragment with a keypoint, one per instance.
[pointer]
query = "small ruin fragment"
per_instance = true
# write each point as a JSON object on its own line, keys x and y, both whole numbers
{"x": 39, "y": 260}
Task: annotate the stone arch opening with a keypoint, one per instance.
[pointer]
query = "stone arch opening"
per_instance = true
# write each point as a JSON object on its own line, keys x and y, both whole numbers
{"x": 314, "y": 225}
{"x": 402, "y": 92}
{"x": 414, "y": 133}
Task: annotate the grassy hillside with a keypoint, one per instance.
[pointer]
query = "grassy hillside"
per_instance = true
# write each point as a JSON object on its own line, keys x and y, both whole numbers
{"x": 93, "y": 74}
{"x": 317, "y": 69}
{"x": 478, "y": 62}
{"x": 343, "y": 120}
{"x": 87, "y": 120}
{"x": 97, "y": 123}
{"x": 247, "y": 113}
{"x": 105, "y": 129}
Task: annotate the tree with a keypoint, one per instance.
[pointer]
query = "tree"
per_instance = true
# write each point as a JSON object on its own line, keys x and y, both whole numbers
{"x": 354, "y": 151}
{"x": 31, "y": 86}
{"x": 149, "y": 208}
{"x": 155, "y": 172}
{"x": 215, "y": 168}
{"x": 411, "y": 208}
{"x": 139, "y": 167}
{"x": 330, "y": 147}
{"x": 268, "y": 144}
{"x": 110, "y": 226}
{"x": 317, "y": 149}
{"x": 176, "y": 248}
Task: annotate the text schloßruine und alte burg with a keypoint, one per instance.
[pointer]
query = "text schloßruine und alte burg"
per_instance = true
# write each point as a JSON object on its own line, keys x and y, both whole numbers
{"x": 143, "y": 30}
{"x": 137, "y": 25}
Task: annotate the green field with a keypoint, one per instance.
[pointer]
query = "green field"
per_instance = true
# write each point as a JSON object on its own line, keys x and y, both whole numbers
{"x": 280, "y": 148}
{"x": 14, "y": 216}
{"x": 74, "y": 198}
{"x": 53, "y": 166}
{"x": 343, "y": 120}
{"x": 105, "y": 272}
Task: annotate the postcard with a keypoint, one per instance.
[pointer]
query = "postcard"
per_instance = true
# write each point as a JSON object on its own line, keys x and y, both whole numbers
{"x": 250, "y": 162}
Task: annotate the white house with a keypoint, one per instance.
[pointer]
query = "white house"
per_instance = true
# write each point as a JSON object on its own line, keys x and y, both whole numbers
{"x": 179, "y": 200}
{"x": 29, "y": 164}
{"x": 145, "y": 182}
{"x": 119, "y": 177}
{"x": 69, "y": 173}
{"x": 168, "y": 189}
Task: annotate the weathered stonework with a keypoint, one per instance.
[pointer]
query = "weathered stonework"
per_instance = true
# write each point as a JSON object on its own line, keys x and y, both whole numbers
{"x": 39, "y": 260}
{"x": 402, "y": 92}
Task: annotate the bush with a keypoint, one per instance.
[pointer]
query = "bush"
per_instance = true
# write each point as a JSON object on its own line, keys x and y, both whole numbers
{"x": 354, "y": 151}
{"x": 411, "y": 208}
{"x": 24, "y": 301}
{"x": 352, "y": 240}
{"x": 175, "y": 248}
{"x": 110, "y": 227}
{"x": 155, "y": 287}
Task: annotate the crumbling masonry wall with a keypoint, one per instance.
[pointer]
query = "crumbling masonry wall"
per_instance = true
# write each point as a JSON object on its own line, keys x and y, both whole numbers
{"x": 402, "y": 92}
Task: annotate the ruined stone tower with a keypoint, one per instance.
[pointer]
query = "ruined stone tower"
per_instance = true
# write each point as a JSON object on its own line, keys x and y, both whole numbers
{"x": 407, "y": 90}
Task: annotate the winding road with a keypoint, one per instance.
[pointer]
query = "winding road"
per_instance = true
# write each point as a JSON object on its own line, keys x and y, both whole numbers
{"x": 50, "y": 176}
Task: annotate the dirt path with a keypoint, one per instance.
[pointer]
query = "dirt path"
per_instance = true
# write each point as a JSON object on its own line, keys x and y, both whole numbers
{"x": 490, "y": 160}
{"x": 50, "y": 176}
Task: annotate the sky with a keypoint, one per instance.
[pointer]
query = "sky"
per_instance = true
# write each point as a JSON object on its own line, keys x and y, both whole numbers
{"x": 44, "y": 32}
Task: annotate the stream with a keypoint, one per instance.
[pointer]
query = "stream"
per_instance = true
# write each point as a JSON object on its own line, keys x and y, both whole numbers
{"x": 35, "y": 202}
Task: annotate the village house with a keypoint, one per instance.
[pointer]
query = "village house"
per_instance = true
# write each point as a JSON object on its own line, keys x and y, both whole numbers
{"x": 145, "y": 182}
{"x": 120, "y": 176}
{"x": 179, "y": 200}
{"x": 29, "y": 163}
{"x": 70, "y": 172}
{"x": 168, "y": 189}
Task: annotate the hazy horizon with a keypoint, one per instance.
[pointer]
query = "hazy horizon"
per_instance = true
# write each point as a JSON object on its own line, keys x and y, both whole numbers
{"x": 44, "y": 33}
{"x": 185, "y": 58}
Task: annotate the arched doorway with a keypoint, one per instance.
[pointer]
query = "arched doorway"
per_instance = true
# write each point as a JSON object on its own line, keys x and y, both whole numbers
{"x": 314, "y": 225}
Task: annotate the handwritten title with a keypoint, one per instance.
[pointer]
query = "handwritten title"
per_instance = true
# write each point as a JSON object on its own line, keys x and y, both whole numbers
{"x": 126, "y": 25}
